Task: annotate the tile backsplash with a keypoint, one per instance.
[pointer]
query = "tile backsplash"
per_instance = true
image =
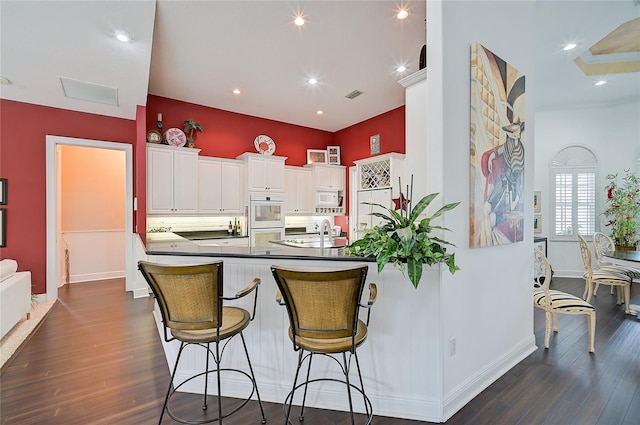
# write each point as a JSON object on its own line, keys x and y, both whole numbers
{"x": 193, "y": 223}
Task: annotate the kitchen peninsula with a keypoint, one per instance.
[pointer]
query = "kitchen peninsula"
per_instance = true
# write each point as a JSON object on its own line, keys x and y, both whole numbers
{"x": 401, "y": 360}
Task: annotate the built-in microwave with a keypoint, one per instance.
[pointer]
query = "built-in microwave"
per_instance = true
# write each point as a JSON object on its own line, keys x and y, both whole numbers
{"x": 328, "y": 198}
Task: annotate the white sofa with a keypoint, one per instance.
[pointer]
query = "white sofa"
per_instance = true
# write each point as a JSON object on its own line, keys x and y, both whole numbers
{"x": 15, "y": 295}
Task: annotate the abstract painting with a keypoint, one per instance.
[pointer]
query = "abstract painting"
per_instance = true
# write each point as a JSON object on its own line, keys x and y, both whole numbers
{"x": 496, "y": 207}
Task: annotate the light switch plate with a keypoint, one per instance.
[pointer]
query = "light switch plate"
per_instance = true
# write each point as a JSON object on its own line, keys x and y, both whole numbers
{"x": 374, "y": 144}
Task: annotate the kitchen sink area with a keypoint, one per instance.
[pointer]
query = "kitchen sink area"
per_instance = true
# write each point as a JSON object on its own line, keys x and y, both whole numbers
{"x": 312, "y": 242}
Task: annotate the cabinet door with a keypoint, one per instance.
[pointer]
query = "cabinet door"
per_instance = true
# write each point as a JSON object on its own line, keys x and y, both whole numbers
{"x": 305, "y": 193}
{"x": 209, "y": 186}
{"x": 159, "y": 181}
{"x": 329, "y": 177}
{"x": 275, "y": 174}
{"x": 365, "y": 219}
{"x": 230, "y": 187}
{"x": 290, "y": 190}
{"x": 256, "y": 174}
{"x": 338, "y": 176}
{"x": 185, "y": 182}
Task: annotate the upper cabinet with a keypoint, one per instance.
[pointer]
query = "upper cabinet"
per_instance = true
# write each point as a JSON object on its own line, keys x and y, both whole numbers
{"x": 381, "y": 172}
{"x": 329, "y": 177}
{"x": 263, "y": 173}
{"x": 172, "y": 180}
{"x": 220, "y": 186}
{"x": 298, "y": 193}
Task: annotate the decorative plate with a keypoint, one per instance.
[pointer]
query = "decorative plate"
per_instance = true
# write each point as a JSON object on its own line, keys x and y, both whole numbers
{"x": 264, "y": 145}
{"x": 175, "y": 137}
{"x": 154, "y": 136}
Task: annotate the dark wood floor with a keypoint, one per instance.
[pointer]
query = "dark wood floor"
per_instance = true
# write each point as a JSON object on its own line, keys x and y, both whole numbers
{"x": 97, "y": 359}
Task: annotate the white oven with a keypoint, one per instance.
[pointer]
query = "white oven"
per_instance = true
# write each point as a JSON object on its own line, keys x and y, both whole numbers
{"x": 266, "y": 220}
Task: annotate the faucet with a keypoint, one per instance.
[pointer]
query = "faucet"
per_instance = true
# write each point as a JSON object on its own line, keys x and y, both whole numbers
{"x": 322, "y": 226}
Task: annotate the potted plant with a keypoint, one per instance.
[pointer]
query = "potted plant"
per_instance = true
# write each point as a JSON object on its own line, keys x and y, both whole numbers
{"x": 404, "y": 241}
{"x": 190, "y": 126}
{"x": 623, "y": 209}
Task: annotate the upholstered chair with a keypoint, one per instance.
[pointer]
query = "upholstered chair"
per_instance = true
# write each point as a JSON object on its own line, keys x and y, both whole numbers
{"x": 553, "y": 301}
{"x": 323, "y": 309}
{"x": 191, "y": 302}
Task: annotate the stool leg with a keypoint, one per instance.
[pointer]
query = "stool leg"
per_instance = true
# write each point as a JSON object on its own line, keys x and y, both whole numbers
{"x": 364, "y": 397}
{"x": 206, "y": 380}
{"x": 306, "y": 385}
{"x": 293, "y": 388}
{"x": 217, "y": 360}
{"x": 255, "y": 384}
{"x": 346, "y": 375}
{"x": 173, "y": 374}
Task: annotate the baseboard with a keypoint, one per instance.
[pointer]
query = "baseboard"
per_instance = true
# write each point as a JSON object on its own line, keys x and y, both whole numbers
{"x": 89, "y": 277}
{"x": 467, "y": 390}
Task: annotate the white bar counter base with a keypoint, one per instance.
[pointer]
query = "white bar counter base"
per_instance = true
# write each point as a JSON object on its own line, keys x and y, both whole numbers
{"x": 401, "y": 360}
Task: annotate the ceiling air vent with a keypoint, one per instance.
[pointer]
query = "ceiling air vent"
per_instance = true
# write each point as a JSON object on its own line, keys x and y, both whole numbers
{"x": 353, "y": 94}
{"x": 84, "y": 90}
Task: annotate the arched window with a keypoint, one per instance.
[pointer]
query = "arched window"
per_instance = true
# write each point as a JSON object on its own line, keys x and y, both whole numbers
{"x": 573, "y": 181}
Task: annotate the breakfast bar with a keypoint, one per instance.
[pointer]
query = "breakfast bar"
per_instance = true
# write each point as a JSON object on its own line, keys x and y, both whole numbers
{"x": 401, "y": 360}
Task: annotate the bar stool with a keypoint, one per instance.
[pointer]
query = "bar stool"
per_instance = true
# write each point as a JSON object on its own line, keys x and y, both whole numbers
{"x": 323, "y": 309}
{"x": 191, "y": 302}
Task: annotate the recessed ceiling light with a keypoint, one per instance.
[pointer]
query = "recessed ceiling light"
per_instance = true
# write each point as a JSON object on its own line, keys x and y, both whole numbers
{"x": 401, "y": 68}
{"x": 600, "y": 83}
{"x": 4, "y": 81}
{"x": 236, "y": 91}
{"x": 570, "y": 46}
{"x": 122, "y": 35}
{"x": 402, "y": 14}
{"x": 313, "y": 81}
{"x": 299, "y": 21}
{"x": 319, "y": 112}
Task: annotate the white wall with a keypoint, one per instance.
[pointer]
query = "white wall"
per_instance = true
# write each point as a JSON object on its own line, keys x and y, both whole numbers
{"x": 491, "y": 317}
{"x": 612, "y": 133}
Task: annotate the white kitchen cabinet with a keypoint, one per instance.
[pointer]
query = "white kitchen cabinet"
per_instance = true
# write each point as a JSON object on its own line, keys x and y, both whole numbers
{"x": 329, "y": 177}
{"x": 298, "y": 190}
{"x": 381, "y": 171}
{"x": 263, "y": 173}
{"x": 172, "y": 180}
{"x": 364, "y": 218}
{"x": 220, "y": 186}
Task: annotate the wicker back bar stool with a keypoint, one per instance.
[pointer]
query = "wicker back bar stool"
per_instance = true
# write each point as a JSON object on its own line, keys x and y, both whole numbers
{"x": 191, "y": 299}
{"x": 323, "y": 309}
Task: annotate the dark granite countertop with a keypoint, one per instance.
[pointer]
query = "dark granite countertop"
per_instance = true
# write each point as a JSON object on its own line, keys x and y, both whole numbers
{"x": 625, "y": 255}
{"x": 276, "y": 252}
{"x": 197, "y": 235}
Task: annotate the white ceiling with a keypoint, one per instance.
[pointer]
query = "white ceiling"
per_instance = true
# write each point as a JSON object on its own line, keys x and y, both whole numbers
{"x": 198, "y": 51}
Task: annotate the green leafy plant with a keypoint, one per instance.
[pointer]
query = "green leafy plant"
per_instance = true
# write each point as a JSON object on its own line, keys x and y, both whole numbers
{"x": 623, "y": 208}
{"x": 189, "y": 127}
{"x": 404, "y": 241}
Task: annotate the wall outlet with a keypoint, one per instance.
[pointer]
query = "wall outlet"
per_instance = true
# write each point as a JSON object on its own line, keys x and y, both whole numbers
{"x": 452, "y": 347}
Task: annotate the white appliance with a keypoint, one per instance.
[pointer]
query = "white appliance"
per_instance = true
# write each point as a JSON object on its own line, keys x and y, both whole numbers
{"x": 327, "y": 198}
{"x": 364, "y": 218}
{"x": 266, "y": 220}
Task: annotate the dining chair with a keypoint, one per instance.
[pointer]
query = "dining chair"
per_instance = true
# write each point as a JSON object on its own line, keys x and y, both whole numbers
{"x": 323, "y": 308}
{"x": 190, "y": 298}
{"x": 620, "y": 282}
{"x": 602, "y": 244}
{"x": 553, "y": 301}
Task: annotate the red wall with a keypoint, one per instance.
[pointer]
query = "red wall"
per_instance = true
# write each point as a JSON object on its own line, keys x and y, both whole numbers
{"x": 23, "y": 130}
{"x": 228, "y": 134}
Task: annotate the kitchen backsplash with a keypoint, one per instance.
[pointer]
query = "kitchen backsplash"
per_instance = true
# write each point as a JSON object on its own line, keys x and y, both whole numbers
{"x": 192, "y": 223}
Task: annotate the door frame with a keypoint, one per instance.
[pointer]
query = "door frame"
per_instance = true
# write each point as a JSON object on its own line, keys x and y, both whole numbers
{"x": 53, "y": 197}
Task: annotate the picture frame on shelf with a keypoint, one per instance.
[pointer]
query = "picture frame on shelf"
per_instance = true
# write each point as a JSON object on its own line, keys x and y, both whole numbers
{"x": 537, "y": 223}
{"x": 333, "y": 155}
{"x": 316, "y": 156}
{"x": 537, "y": 199}
{"x": 3, "y": 227}
{"x": 3, "y": 191}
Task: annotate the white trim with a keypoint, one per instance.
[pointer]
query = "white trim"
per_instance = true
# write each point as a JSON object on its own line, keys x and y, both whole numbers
{"x": 52, "y": 199}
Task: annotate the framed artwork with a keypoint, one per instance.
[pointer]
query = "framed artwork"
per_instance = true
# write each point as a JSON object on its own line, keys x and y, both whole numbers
{"x": 537, "y": 223}
{"x": 333, "y": 155}
{"x": 3, "y": 227}
{"x": 536, "y": 201}
{"x": 3, "y": 191}
{"x": 497, "y": 151}
{"x": 316, "y": 156}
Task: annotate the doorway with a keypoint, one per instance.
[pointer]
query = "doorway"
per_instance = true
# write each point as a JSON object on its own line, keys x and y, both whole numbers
{"x": 53, "y": 200}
